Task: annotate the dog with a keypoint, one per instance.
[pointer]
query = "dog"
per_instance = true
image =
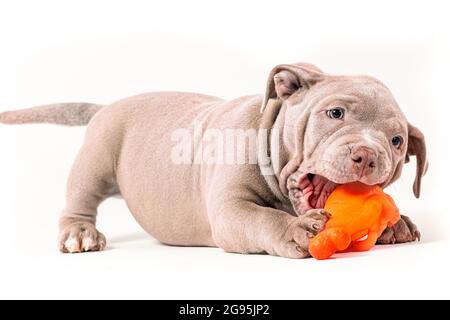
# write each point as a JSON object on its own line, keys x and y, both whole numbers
{"x": 322, "y": 130}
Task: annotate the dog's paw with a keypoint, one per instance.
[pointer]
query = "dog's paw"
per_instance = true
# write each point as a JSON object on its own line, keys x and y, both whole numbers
{"x": 295, "y": 241}
{"x": 81, "y": 237}
{"x": 403, "y": 231}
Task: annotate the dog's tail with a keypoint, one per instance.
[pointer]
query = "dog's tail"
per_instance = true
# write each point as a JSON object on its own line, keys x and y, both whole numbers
{"x": 68, "y": 114}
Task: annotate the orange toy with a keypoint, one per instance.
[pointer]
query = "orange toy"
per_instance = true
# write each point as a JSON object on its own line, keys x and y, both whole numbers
{"x": 359, "y": 215}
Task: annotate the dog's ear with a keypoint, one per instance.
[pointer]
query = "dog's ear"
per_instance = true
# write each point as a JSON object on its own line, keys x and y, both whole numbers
{"x": 285, "y": 79}
{"x": 417, "y": 147}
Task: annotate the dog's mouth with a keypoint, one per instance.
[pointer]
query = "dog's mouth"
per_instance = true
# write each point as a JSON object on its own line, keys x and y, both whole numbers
{"x": 309, "y": 191}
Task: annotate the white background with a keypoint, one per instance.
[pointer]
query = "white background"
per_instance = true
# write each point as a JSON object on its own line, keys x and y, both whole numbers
{"x": 101, "y": 51}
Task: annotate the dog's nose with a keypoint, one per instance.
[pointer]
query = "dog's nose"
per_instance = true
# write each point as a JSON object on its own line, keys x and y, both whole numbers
{"x": 364, "y": 159}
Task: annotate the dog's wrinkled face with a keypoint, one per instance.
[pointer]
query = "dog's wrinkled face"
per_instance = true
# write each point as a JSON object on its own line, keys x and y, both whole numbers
{"x": 355, "y": 132}
{"x": 340, "y": 129}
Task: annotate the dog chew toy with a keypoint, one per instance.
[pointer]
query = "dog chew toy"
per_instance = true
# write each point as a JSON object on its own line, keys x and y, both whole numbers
{"x": 359, "y": 215}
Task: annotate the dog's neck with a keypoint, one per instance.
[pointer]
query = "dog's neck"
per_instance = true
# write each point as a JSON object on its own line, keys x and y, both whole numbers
{"x": 273, "y": 119}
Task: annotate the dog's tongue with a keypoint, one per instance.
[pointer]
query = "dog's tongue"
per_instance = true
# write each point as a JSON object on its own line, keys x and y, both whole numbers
{"x": 315, "y": 191}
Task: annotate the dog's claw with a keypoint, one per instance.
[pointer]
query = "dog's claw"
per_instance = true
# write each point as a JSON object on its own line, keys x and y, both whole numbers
{"x": 417, "y": 235}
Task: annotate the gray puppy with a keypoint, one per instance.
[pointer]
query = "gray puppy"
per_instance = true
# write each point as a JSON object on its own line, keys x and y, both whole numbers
{"x": 323, "y": 129}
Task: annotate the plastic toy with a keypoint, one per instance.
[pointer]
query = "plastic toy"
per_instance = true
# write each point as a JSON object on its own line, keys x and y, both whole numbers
{"x": 359, "y": 215}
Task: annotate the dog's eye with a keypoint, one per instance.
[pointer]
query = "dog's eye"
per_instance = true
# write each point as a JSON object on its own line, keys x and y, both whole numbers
{"x": 397, "y": 141}
{"x": 336, "y": 113}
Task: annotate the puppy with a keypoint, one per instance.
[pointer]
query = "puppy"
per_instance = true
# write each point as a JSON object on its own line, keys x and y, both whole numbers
{"x": 310, "y": 132}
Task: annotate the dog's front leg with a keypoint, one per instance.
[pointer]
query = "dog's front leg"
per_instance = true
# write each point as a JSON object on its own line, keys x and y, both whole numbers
{"x": 243, "y": 226}
{"x": 403, "y": 231}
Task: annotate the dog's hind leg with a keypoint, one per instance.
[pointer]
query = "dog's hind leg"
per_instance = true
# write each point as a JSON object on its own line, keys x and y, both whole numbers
{"x": 91, "y": 181}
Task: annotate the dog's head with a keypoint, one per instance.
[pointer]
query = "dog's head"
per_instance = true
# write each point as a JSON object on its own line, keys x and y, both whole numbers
{"x": 340, "y": 129}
